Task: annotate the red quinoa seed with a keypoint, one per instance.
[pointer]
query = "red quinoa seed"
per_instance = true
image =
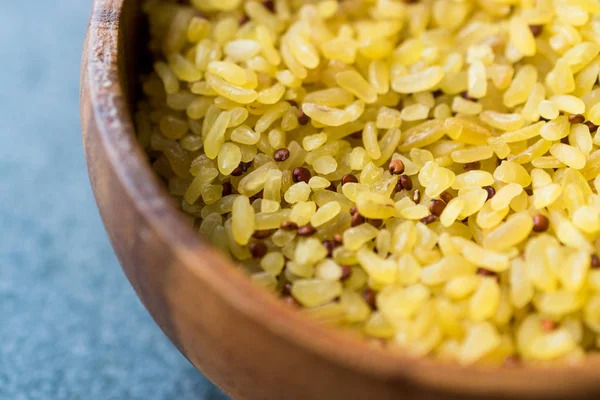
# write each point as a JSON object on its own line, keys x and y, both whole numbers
{"x": 540, "y": 223}
{"x": 306, "y": 230}
{"x": 301, "y": 174}
{"x": 396, "y": 167}
{"x": 595, "y": 261}
{"x": 369, "y": 297}
{"x": 258, "y": 249}
{"x": 491, "y": 192}
{"x": 346, "y": 272}
{"x": 288, "y": 226}
{"x": 281, "y": 154}
{"x": 548, "y": 325}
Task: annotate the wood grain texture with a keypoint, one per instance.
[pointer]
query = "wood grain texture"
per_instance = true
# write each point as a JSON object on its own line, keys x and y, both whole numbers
{"x": 242, "y": 339}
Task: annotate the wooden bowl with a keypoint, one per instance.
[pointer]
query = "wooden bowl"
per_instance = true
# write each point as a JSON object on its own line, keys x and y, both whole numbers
{"x": 244, "y": 340}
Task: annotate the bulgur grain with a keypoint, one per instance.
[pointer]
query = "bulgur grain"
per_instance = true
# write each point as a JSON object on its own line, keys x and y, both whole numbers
{"x": 306, "y": 135}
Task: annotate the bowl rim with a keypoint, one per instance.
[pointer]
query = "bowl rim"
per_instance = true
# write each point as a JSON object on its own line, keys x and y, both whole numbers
{"x": 116, "y": 129}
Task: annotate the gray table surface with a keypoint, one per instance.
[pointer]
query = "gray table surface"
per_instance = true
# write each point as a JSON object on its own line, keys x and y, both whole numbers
{"x": 71, "y": 327}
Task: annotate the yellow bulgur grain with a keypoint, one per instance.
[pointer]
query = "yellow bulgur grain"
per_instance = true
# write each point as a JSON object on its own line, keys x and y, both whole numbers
{"x": 425, "y": 174}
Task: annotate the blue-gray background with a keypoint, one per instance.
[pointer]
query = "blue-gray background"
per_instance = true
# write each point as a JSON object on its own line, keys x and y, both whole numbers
{"x": 70, "y": 325}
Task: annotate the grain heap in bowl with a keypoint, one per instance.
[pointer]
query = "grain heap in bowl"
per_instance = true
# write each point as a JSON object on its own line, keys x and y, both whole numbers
{"x": 423, "y": 174}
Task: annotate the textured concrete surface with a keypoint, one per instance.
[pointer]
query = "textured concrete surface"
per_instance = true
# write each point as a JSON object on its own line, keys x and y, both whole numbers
{"x": 70, "y": 324}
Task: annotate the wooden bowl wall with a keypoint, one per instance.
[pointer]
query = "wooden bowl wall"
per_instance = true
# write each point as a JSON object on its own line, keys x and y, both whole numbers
{"x": 244, "y": 340}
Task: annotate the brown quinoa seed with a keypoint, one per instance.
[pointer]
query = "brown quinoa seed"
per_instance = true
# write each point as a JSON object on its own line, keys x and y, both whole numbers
{"x": 263, "y": 234}
{"x": 369, "y": 297}
{"x": 491, "y": 192}
{"x": 227, "y": 189}
{"x": 396, "y": 167}
{"x": 306, "y": 230}
{"x": 330, "y": 245}
{"x": 436, "y": 207}
{"x": 487, "y": 273}
{"x": 595, "y": 261}
{"x": 258, "y": 249}
{"x": 357, "y": 219}
{"x": 540, "y": 223}
{"x": 593, "y": 127}
{"x": 237, "y": 172}
{"x": 446, "y": 197}
{"x": 194, "y": 123}
{"x": 338, "y": 238}
{"x": 398, "y": 187}
{"x": 465, "y": 95}
{"x": 377, "y": 223}
{"x": 472, "y": 166}
{"x": 245, "y": 166}
{"x": 281, "y": 154}
{"x": 349, "y": 178}
{"x": 269, "y": 5}
{"x": 576, "y": 119}
{"x": 406, "y": 182}
{"x": 428, "y": 219}
{"x": 416, "y": 197}
{"x": 288, "y": 226}
{"x": 258, "y": 195}
{"x": 301, "y": 174}
{"x": 346, "y": 272}
{"x": 536, "y": 30}
{"x": 356, "y": 135}
{"x": 303, "y": 119}
{"x": 548, "y": 325}
{"x": 243, "y": 19}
